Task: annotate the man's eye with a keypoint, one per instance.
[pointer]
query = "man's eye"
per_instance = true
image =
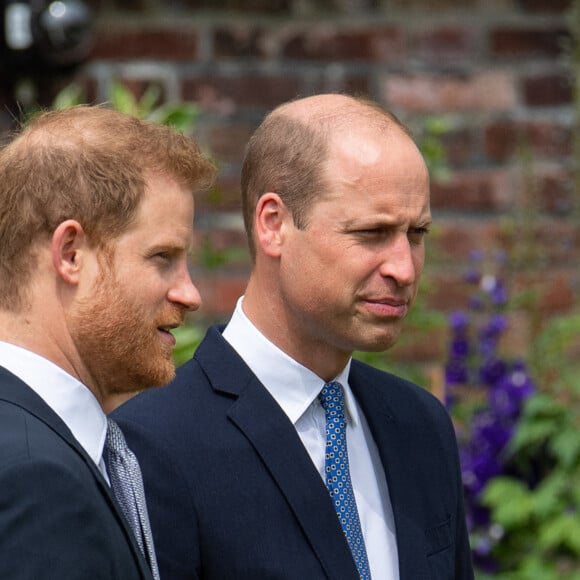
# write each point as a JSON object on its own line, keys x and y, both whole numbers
{"x": 163, "y": 256}
{"x": 372, "y": 232}
{"x": 416, "y": 235}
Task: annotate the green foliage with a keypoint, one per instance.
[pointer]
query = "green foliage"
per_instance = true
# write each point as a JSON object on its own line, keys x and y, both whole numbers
{"x": 540, "y": 516}
{"x": 188, "y": 339}
{"x": 182, "y": 115}
{"x": 433, "y": 150}
{"x": 210, "y": 257}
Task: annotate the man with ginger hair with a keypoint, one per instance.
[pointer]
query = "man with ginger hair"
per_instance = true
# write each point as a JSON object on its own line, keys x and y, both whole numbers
{"x": 96, "y": 220}
{"x": 274, "y": 454}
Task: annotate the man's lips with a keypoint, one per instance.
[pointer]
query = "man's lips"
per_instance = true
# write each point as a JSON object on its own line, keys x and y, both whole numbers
{"x": 387, "y": 307}
{"x": 165, "y": 331}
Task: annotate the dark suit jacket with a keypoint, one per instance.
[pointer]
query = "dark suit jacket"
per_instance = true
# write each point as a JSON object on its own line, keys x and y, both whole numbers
{"x": 233, "y": 494}
{"x": 58, "y": 520}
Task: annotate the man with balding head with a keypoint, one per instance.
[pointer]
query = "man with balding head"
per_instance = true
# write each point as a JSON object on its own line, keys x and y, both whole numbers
{"x": 274, "y": 454}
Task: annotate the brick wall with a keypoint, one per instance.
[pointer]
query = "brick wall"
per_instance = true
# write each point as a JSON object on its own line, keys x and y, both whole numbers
{"x": 493, "y": 70}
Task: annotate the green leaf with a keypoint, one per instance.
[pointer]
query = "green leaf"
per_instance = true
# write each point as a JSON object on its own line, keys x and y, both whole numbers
{"x": 561, "y": 532}
{"x": 566, "y": 447}
{"x": 509, "y": 500}
{"x": 533, "y": 432}
{"x": 181, "y": 116}
{"x": 123, "y": 100}
{"x": 148, "y": 101}
{"x": 70, "y": 96}
{"x": 188, "y": 338}
{"x": 548, "y": 498}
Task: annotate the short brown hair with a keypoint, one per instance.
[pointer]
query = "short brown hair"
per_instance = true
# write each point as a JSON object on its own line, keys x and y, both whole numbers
{"x": 283, "y": 156}
{"x": 287, "y": 156}
{"x": 87, "y": 163}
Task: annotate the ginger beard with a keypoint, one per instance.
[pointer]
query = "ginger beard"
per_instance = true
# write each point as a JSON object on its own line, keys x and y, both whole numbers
{"x": 119, "y": 341}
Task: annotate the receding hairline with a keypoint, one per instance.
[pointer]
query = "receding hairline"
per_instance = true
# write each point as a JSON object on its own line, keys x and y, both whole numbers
{"x": 336, "y": 112}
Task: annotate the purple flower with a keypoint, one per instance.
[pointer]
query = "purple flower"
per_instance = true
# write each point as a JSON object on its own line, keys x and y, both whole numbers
{"x": 492, "y": 370}
{"x": 475, "y": 360}
{"x": 478, "y": 469}
{"x": 476, "y": 255}
{"x": 508, "y": 396}
{"x": 459, "y": 321}
{"x": 501, "y": 257}
{"x": 495, "y": 326}
{"x": 491, "y": 434}
{"x": 456, "y": 372}
{"x": 476, "y": 303}
{"x": 498, "y": 294}
{"x": 460, "y": 346}
{"x": 472, "y": 276}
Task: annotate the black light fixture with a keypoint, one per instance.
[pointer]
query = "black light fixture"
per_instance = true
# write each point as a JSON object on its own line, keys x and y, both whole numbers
{"x": 43, "y": 36}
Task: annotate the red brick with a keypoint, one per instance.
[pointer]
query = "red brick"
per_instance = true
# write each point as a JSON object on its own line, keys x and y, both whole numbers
{"x": 455, "y": 238}
{"x": 355, "y": 85}
{"x": 536, "y": 244}
{"x": 225, "y": 196}
{"x": 549, "y": 138}
{"x": 501, "y": 140}
{"x": 230, "y": 7}
{"x": 446, "y": 42}
{"x": 219, "y": 293}
{"x": 238, "y": 41}
{"x": 506, "y": 139}
{"x": 556, "y": 192}
{"x": 225, "y": 95}
{"x": 426, "y": 6}
{"x": 472, "y": 190}
{"x": 558, "y": 295}
{"x": 418, "y": 343}
{"x": 227, "y": 142}
{"x": 459, "y": 146}
{"x": 548, "y": 90}
{"x": 121, "y": 43}
{"x": 558, "y": 243}
{"x": 526, "y": 42}
{"x": 554, "y": 289}
{"x": 484, "y": 91}
{"x": 449, "y": 292}
{"x": 320, "y": 42}
{"x": 547, "y": 6}
{"x": 341, "y": 80}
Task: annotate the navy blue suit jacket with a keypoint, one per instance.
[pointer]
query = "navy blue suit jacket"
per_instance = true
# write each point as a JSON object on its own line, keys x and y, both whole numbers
{"x": 233, "y": 494}
{"x": 58, "y": 520}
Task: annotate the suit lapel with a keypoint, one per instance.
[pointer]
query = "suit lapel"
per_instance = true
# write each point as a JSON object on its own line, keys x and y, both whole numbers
{"x": 279, "y": 447}
{"x": 15, "y": 391}
{"x": 394, "y": 442}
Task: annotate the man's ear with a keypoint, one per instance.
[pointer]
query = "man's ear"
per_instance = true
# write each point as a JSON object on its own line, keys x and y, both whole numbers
{"x": 68, "y": 241}
{"x": 271, "y": 216}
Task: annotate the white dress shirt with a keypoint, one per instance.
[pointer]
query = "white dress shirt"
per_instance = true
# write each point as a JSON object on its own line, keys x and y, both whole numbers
{"x": 295, "y": 388}
{"x": 72, "y": 401}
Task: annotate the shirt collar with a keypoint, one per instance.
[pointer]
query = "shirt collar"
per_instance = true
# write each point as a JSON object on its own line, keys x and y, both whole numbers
{"x": 72, "y": 401}
{"x": 293, "y": 386}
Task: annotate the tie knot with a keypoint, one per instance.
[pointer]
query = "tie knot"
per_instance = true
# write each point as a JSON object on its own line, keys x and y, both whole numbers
{"x": 115, "y": 440}
{"x": 332, "y": 399}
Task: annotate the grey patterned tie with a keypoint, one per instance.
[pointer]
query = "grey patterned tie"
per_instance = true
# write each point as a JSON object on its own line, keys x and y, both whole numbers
{"x": 127, "y": 485}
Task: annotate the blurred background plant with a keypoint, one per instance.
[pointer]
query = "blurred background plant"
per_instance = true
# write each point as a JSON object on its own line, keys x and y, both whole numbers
{"x": 181, "y": 115}
{"x": 485, "y": 393}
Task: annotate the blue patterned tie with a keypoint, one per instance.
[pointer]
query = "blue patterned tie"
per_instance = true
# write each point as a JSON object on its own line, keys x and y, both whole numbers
{"x": 338, "y": 475}
{"x": 127, "y": 485}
